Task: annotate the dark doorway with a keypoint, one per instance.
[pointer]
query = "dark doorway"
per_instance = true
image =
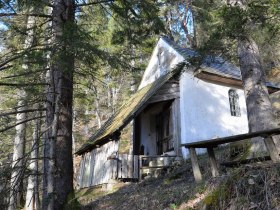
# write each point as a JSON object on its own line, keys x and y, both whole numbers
{"x": 164, "y": 130}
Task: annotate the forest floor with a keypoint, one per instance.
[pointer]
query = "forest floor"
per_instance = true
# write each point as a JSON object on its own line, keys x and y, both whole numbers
{"x": 252, "y": 186}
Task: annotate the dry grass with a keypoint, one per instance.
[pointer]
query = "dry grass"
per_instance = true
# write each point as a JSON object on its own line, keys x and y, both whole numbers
{"x": 169, "y": 191}
{"x": 253, "y": 186}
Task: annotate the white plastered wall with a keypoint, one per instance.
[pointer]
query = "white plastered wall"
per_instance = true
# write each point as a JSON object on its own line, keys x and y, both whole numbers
{"x": 205, "y": 111}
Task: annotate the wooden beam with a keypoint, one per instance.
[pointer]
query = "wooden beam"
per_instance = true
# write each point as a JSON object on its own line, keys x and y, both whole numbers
{"x": 213, "y": 162}
{"x": 140, "y": 167}
{"x": 217, "y": 141}
{"x": 195, "y": 165}
{"x": 223, "y": 80}
{"x": 130, "y": 162}
{"x": 176, "y": 118}
{"x": 207, "y": 76}
{"x": 164, "y": 97}
{"x": 136, "y": 167}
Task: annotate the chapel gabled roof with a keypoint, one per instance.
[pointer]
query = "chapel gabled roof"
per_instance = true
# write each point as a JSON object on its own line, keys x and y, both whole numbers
{"x": 213, "y": 64}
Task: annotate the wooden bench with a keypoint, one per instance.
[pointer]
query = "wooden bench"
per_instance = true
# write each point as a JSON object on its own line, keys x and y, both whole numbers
{"x": 212, "y": 143}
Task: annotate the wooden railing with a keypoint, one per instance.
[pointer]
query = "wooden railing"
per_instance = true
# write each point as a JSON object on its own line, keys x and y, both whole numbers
{"x": 153, "y": 163}
{"x": 212, "y": 143}
{"x": 135, "y": 166}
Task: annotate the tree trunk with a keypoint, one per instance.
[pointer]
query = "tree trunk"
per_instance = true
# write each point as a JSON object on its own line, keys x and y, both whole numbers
{"x": 32, "y": 195}
{"x": 97, "y": 109}
{"x": 259, "y": 108}
{"x": 58, "y": 175}
{"x": 18, "y": 155}
{"x": 19, "y": 144}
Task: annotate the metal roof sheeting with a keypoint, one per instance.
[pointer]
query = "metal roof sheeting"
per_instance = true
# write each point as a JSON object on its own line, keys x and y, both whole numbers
{"x": 212, "y": 64}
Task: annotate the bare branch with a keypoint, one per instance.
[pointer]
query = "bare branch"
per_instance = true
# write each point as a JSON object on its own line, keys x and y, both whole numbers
{"x": 94, "y": 3}
{"x": 22, "y": 14}
{"x": 24, "y": 121}
{"x": 22, "y": 84}
{"x": 6, "y": 67}
{"x": 23, "y": 74}
{"x": 9, "y": 60}
{"x": 22, "y": 111}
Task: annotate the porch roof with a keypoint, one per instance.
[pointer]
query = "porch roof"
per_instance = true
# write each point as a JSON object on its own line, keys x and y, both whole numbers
{"x": 128, "y": 110}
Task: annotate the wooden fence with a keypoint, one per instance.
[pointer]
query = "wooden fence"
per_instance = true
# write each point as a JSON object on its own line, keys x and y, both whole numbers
{"x": 128, "y": 166}
{"x": 99, "y": 166}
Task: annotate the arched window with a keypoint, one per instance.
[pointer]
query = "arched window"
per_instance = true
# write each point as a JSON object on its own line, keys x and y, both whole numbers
{"x": 234, "y": 103}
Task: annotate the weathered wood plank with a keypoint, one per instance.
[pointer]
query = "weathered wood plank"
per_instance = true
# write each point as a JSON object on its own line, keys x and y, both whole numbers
{"x": 136, "y": 167}
{"x": 195, "y": 165}
{"x": 92, "y": 167}
{"x": 129, "y": 166}
{"x": 85, "y": 182}
{"x": 96, "y": 167}
{"x": 124, "y": 166}
{"x": 271, "y": 148}
{"x": 82, "y": 167}
{"x": 96, "y": 171}
{"x": 176, "y": 118}
{"x": 224, "y": 140}
{"x": 140, "y": 166}
{"x": 114, "y": 162}
{"x": 164, "y": 97}
{"x": 207, "y": 76}
{"x": 213, "y": 162}
{"x": 120, "y": 166}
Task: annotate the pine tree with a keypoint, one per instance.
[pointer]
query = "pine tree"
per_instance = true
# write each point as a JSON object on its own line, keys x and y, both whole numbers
{"x": 233, "y": 26}
{"x": 58, "y": 43}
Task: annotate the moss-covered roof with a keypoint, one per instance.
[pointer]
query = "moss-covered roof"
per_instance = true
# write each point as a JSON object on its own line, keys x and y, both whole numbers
{"x": 128, "y": 110}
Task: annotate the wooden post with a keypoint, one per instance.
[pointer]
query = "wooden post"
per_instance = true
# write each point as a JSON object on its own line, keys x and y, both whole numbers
{"x": 124, "y": 166}
{"x": 195, "y": 166}
{"x": 136, "y": 167}
{"x": 120, "y": 166}
{"x": 129, "y": 166}
{"x": 213, "y": 162}
{"x": 140, "y": 167}
{"x": 272, "y": 149}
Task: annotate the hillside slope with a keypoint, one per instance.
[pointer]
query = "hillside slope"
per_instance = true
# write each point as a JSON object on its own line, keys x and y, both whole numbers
{"x": 253, "y": 186}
